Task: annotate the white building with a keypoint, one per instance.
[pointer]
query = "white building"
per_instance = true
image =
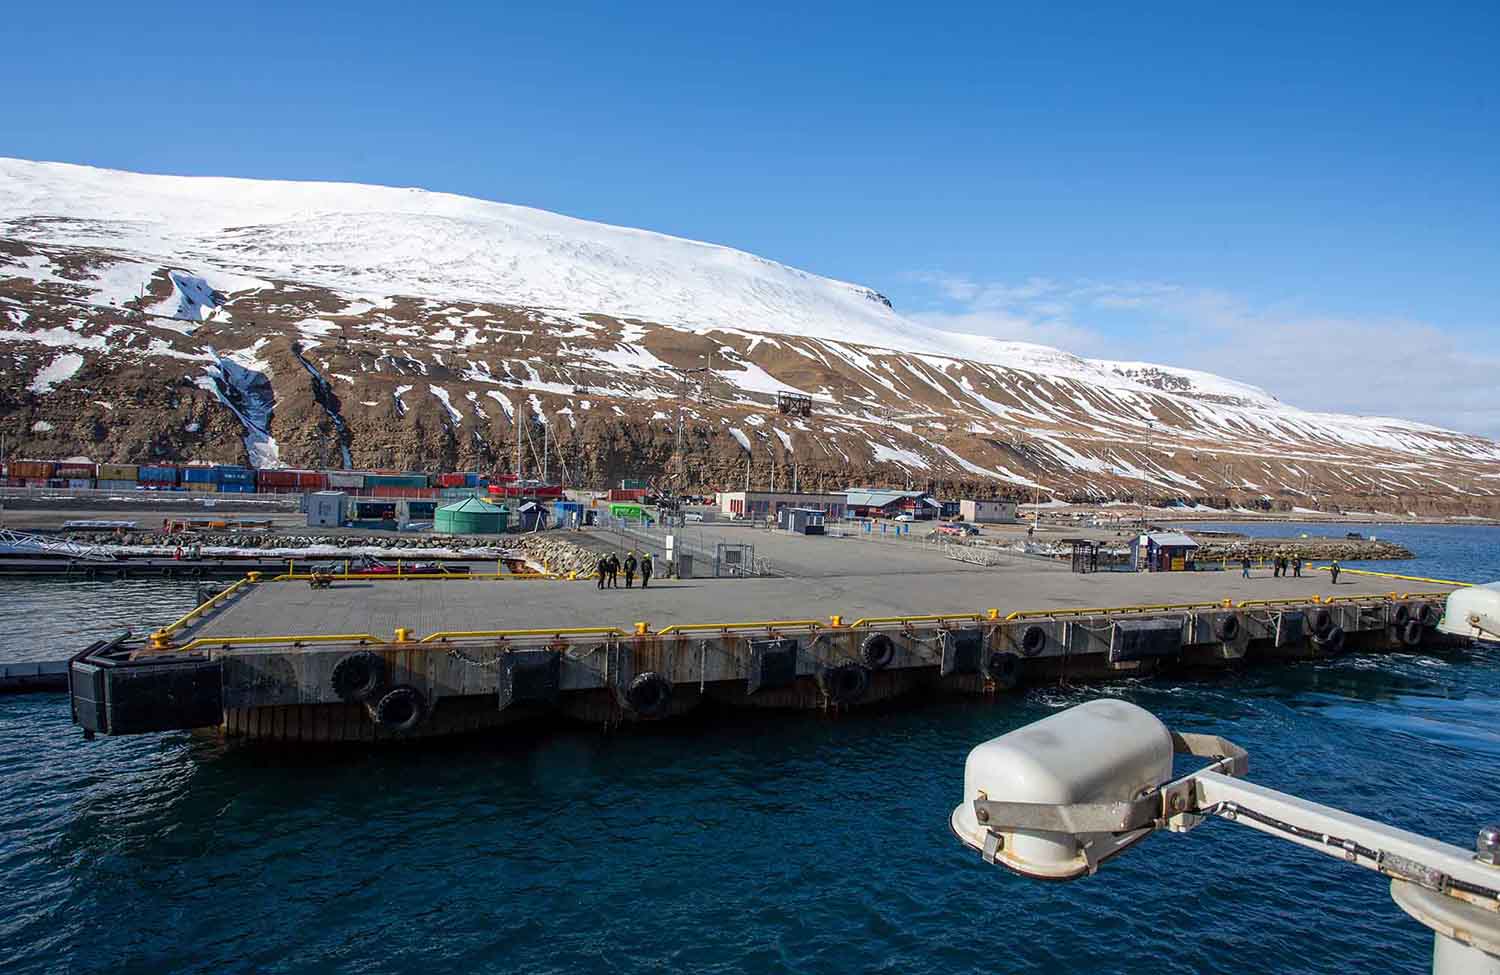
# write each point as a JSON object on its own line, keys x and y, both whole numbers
{"x": 765, "y": 504}
{"x": 989, "y": 512}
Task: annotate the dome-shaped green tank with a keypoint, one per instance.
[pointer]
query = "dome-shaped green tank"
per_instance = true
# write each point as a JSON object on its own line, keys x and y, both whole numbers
{"x": 471, "y": 516}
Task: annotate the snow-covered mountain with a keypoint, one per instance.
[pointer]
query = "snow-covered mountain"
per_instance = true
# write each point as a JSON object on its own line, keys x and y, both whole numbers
{"x": 363, "y": 313}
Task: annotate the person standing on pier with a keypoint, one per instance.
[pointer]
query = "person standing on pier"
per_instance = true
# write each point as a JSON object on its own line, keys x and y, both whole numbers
{"x": 629, "y": 570}
{"x": 614, "y": 571}
{"x": 1245, "y": 567}
{"x": 601, "y": 569}
{"x": 1297, "y": 567}
{"x": 1333, "y": 572}
{"x": 646, "y": 570}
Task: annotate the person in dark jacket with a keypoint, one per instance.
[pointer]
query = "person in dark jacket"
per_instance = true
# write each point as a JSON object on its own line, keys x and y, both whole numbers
{"x": 601, "y": 569}
{"x": 1333, "y": 572}
{"x": 614, "y": 571}
{"x": 1245, "y": 567}
{"x": 630, "y": 570}
{"x": 1297, "y": 567}
{"x": 646, "y": 570}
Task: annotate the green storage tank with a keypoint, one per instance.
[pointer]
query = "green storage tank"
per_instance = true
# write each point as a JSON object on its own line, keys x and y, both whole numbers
{"x": 471, "y": 516}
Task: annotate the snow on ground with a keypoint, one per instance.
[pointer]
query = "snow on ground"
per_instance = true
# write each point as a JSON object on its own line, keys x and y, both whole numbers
{"x": 899, "y": 455}
{"x": 59, "y": 370}
{"x": 241, "y": 381}
{"x": 744, "y": 440}
{"x": 441, "y": 395}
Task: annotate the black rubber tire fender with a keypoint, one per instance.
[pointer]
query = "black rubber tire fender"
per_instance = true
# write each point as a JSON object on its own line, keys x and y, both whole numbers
{"x": 1400, "y": 614}
{"x": 1412, "y": 632}
{"x": 1331, "y": 640}
{"x": 1320, "y": 621}
{"x": 1033, "y": 640}
{"x": 649, "y": 694}
{"x": 400, "y": 709}
{"x": 1003, "y": 668}
{"x": 1428, "y": 615}
{"x": 358, "y": 677}
{"x": 877, "y": 651}
{"x": 845, "y": 682}
{"x": 1227, "y": 628}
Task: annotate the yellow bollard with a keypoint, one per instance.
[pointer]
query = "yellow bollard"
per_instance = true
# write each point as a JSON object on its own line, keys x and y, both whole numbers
{"x": 835, "y": 621}
{"x": 403, "y": 635}
{"x": 992, "y": 614}
{"x": 641, "y": 629}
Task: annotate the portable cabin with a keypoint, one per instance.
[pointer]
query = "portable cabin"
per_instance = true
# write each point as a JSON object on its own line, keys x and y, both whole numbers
{"x": 1163, "y": 552}
{"x": 327, "y": 509}
{"x": 801, "y": 521}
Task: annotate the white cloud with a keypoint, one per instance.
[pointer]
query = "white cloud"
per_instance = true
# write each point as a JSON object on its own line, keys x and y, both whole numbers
{"x": 1318, "y": 361}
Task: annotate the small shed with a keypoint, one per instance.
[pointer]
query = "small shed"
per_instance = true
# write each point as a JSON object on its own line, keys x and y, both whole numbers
{"x": 1163, "y": 552}
{"x": 471, "y": 516}
{"x": 531, "y": 516}
{"x": 327, "y": 509}
{"x": 801, "y": 521}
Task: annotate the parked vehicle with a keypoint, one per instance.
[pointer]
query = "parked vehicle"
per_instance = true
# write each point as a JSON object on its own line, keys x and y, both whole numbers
{"x": 905, "y": 516}
{"x": 694, "y": 516}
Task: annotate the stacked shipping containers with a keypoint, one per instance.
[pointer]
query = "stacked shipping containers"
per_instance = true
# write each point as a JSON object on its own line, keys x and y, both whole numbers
{"x": 117, "y": 477}
{"x": 161, "y": 477}
{"x": 236, "y": 480}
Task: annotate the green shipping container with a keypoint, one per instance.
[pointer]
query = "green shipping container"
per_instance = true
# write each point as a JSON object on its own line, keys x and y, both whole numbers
{"x": 471, "y": 516}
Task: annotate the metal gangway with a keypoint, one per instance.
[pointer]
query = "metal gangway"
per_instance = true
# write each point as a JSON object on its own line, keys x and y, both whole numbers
{"x": 20, "y": 543}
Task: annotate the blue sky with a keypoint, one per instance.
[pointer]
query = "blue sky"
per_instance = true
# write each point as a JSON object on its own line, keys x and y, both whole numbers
{"x": 1303, "y": 198}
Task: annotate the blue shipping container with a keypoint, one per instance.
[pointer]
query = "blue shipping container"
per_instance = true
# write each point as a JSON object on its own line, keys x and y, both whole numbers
{"x": 200, "y": 475}
{"x": 237, "y": 488}
{"x": 158, "y": 475}
{"x": 235, "y": 475}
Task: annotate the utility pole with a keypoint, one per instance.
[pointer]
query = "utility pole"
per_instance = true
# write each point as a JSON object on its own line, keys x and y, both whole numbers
{"x": 678, "y": 434}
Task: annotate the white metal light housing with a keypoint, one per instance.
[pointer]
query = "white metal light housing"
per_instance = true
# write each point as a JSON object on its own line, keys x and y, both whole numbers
{"x": 1473, "y": 612}
{"x": 1097, "y": 753}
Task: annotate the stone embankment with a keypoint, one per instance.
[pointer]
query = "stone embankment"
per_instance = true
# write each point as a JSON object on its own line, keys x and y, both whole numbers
{"x": 555, "y": 552}
{"x": 1343, "y": 549}
{"x": 276, "y": 540}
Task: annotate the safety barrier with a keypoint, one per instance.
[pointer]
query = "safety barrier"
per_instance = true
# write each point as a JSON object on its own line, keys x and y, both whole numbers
{"x": 1393, "y": 575}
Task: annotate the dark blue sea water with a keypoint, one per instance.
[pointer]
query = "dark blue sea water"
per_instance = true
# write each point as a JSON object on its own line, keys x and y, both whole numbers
{"x": 779, "y": 843}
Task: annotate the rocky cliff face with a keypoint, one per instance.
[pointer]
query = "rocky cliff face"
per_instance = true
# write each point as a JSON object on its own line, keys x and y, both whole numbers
{"x": 237, "y": 343}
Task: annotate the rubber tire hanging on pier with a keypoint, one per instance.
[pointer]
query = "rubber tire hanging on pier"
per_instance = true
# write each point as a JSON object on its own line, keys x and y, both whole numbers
{"x": 1227, "y": 628}
{"x": 1330, "y": 640}
{"x": 1033, "y": 640}
{"x": 844, "y": 682}
{"x": 649, "y": 695}
{"x": 1412, "y": 632}
{"x": 358, "y": 677}
{"x": 400, "y": 710}
{"x": 1003, "y": 668}
{"x": 877, "y": 651}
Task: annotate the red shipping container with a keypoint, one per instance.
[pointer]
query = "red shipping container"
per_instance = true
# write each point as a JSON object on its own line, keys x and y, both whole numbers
{"x": 312, "y": 480}
{"x": 275, "y": 479}
{"x": 627, "y": 494}
{"x": 41, "y": 469}
{"x": 74, "y": 470}
{"x": 450, "y": 480}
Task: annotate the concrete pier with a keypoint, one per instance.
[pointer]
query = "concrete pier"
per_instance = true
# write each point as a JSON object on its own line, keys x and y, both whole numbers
{"x": 859, "y": 621}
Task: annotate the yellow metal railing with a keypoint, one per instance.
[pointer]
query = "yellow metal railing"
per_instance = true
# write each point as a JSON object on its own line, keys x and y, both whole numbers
{"x": 161, "y": 639}
{"x": 163, "y": 635}
{"x": 1393, "y": 575}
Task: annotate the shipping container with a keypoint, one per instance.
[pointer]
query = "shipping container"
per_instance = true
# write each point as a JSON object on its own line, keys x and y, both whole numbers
{"x": 117, "y": 472}
{"x": 200, "y": 475}
{"x": 627, "y": 494}
{"x": 72, "y": 470}
{"x": 202, "y": 487}
{"x": 236, "y": 488}
{"x": 346, "y": 479}
{"x": 117, "y": 484}
{"x": 312, "y": 480}
{"x": 396, "y": 480}
{"x": 156, "y": 474}
{"x": 30, "y": 469}
{"x": 448, "y": 481}
{"x": 385, "y": 491}
{"x": 235, "y": 475}
{"x": 269, "y": 480}
{"x": 80, "y": 482}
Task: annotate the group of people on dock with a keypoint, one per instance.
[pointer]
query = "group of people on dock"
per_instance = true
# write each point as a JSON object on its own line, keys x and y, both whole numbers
{"x": 612, "y": 565}
{"x": 1281, "y": 565}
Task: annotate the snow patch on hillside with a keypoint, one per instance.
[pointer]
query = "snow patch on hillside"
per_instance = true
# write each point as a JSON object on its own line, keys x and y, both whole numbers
{"x": 59, "y": 370}
{"x": 241, "y": 381}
